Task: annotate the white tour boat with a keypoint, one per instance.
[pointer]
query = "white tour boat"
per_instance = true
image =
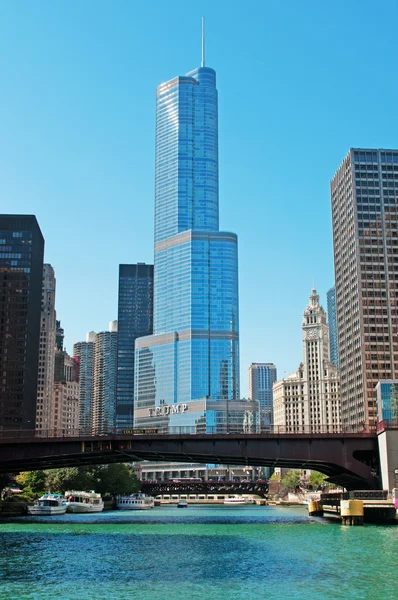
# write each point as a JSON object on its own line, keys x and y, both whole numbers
{"x": 135, "y": 502}
{"x": 48, "y": 504}
{"x": 84, "y": 502}
{"x": 236, "y": 501}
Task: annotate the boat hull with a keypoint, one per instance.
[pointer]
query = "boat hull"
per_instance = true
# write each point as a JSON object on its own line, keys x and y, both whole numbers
{"x": 127, "y": 507}
{"x": 84, "y": 508}
{"x": 46, "y": 511}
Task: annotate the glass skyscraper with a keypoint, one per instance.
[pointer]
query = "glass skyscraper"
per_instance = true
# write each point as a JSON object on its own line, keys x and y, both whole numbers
{"x": 193, "y": 355}
{"x": 262, "y": 377}
{"x": 334, "y": 349}
{"x": 135, "y": 319}
{"x": 21, "y": 271}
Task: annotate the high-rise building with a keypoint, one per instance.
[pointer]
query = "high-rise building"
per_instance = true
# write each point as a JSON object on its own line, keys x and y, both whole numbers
{"x": 135, "y": 319}
{"x": 262, "y": 377}
{"x": 364, "y": 194}
{"x": 308, "y": 400}
{"x": 45, "y": 380}
{"x": 193, "y": 354}
{"x": 104, "y": 383}
{"x": 334, "y": 349}
{"x": 84, "y": 354}
{"x": 97, "y": 369}
{"x": 65, "y": 411}
{"x": 21, "y": 268}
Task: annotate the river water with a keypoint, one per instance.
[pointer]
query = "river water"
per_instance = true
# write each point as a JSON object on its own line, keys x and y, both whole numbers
{"x": 201, "y": 552}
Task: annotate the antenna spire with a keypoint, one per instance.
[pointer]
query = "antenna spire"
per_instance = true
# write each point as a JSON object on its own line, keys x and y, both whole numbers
{"x": 203, "y": 42}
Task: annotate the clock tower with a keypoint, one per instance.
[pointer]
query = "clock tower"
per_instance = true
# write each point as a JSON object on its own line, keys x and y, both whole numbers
{"x": 308, "y": 400}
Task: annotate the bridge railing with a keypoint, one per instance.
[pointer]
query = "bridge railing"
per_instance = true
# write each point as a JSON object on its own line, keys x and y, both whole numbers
{"x": 329, "y": 430}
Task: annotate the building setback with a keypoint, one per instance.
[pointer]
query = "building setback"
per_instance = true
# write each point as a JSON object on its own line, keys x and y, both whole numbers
{"x": 262, "y": 377}
{"x": 334, "y": 349}
{"x": 65, "y": 410}
{"x": 308, "y": 400}
{"x": 193, "y": 354}
{"x": 364, "y": 194}
{"x": 45, "y": 382}
{"x": 135, "y": 319}
{"x": 21, "y": 270}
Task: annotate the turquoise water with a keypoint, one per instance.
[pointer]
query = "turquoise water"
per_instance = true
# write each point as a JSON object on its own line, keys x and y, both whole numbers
{"x": 203, "y": 552}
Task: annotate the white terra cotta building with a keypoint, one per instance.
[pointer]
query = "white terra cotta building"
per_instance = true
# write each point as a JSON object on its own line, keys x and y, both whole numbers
{"x": 308, "y": 400}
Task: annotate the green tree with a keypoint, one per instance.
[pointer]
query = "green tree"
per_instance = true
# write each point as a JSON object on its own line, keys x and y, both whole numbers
{"x": 104, "y": 479}
{"x": 291, "y": 480}
{"x": 317, "y": 479}
{"x": 32, "y": 482}
{"x": 72, "y": 478}
{"x": 115, "y": 479}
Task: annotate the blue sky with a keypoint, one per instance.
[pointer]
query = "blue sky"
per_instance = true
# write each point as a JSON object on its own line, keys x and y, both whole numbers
{"x": 299, "y": 84}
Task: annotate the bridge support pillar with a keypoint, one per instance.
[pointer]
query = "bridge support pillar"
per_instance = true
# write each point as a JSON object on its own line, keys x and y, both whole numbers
{"x": 351, "y": 512}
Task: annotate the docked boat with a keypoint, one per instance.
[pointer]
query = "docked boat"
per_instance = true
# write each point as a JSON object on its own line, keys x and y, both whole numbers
{"x": 182, "y": 504}
{"x": 135, "y": 502}
{"x": 84, "y": 502}
{"x": 48, "y": 504}
{"x": 236, "y": 501}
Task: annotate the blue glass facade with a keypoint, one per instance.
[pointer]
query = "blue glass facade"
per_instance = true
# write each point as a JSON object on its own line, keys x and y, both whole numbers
{"x": 262, "y": 377}
{"x": 387, "y": 401}
{"x": 194, "y": 351}
{"x": 135, "y": 319}
{"x": 334, "y": 349}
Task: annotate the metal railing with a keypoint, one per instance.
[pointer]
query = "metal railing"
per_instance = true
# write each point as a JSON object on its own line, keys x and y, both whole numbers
{"x": 307, "y": 430}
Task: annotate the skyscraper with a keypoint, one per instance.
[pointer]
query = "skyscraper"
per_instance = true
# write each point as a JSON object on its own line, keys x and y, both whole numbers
{"x": 262, "y": 377}
{"x": 45, "y": 382}
{"x": 21, "y": 268}
{"x": 83, "y": 352}
{"x": 308, "y": 400}
{"x": 97, "y": 368}
{"x": 66, "y": 392}
{"x": 104, "y": 384}
{"x": 135, "y": 319}
{"x": 364, "y": 194}
{"x": 193, "y": 355}
{"x": 334, "y": 350}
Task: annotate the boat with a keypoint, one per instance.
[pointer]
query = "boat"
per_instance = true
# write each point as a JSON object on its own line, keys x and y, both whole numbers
{"x": 135, "y": 502}
{"x": 182, "y": 504}
{"x": 84, "y": 502}
{"x": 236, "y": 501}
{"x": 48, "y": 504}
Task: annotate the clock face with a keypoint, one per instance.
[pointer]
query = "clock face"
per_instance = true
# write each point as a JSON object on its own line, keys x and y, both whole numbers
{"x": 311, "y": 334}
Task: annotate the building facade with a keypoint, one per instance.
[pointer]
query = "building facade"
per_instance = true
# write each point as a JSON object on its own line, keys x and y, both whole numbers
{"x": 21, "y": 270}
{"x": 308, "y": 400}
{"x": 65, "y": 412}
{"x": 83, "y": 352}
{"x": 262, "y": 377}
{"x": 193, "y": 354}
{"x": 135, "y": 319}
{"x": 45, "y": 380}
{"x": 364, "y": 195}
{"x": 334, "y": 347}
{"x": 104, "y": 384}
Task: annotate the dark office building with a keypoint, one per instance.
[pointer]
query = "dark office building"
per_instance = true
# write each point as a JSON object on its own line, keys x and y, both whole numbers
{"x": 135, "y": 318}
{"x": 21, "y": 271}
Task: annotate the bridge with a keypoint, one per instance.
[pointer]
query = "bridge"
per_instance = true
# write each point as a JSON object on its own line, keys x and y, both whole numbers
{"x": 347, "y": 459}
{"x": 160, "y": 488}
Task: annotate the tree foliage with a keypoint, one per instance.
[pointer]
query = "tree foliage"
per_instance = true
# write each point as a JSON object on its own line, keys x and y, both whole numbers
{"x": 317, "y": 479}
{"x": 291, "y": 480}
{"x": 32, "y": 482}
{"x": 104, "y": 479}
